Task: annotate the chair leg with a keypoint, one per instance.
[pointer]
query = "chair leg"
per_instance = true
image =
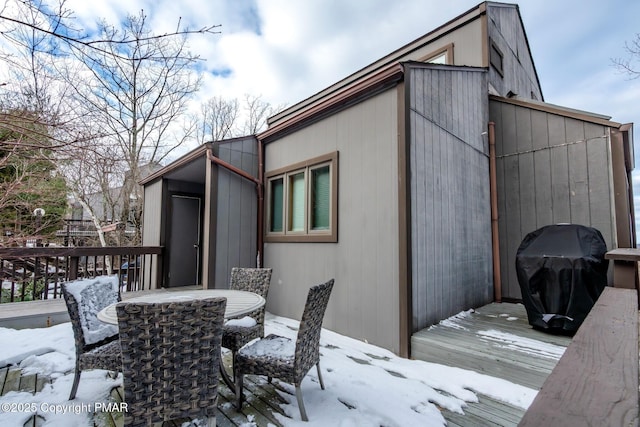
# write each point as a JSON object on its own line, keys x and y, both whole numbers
{"x": 233, "y": 365}
{"x": 225, "y": 377}
{"x": 303, "y": 412}
{"x": 239, "y": 395}
{"x": 76, "y": 381}
{"x": 211, "y": 422}
{"x": 320, "y": 376}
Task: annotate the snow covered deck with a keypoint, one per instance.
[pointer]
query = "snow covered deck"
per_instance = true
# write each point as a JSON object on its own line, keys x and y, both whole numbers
{"x": 498, "y": 341}
{"x": 484, "y": 368}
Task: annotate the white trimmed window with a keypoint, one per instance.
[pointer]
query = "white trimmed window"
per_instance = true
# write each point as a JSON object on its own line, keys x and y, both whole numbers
{"x": 302, "y": 201}
{"x": 444, "y": 55}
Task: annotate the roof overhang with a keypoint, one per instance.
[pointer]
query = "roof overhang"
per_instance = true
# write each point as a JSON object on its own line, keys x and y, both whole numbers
{"x": 356, "y": 81}
{"x": 185, "y": 168}
{"x": 349, "y": 95}
{"x": 191, "y": 167}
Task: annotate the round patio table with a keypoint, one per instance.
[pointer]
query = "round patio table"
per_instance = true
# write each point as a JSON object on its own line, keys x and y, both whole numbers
{"x": 238, "y": 303}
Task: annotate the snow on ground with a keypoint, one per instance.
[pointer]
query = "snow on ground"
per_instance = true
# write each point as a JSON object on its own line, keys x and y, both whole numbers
{"x": 365, "y": 385}
{"x": 524, "y": 345}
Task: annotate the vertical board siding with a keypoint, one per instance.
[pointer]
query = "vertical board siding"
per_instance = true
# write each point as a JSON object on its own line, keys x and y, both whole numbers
{"x": 551, "y": 169}
{"x": 506, "y": 31}
{"x": 152, "y": 216}
{"x": 449, "y": 176}
{"x": 237, "y": 209}
{"x": 151, "y": 223}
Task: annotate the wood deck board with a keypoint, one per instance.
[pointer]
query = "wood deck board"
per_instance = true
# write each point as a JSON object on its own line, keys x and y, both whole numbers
{"x": 596, "y": 380}
{"x": 253, "y": 407}
{"x": 256, "y": 408}
{"x": 488, "y": 348}
{"x": 3, "y": 376}
{"x": 28, "y": 383}
{"x": 465, "y": 347}
{"x": 12, "y": 381}
{"x": 524, "y": 377}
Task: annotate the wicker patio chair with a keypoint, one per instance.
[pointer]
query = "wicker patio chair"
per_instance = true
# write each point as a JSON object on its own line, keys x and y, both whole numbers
{"x": 236, "y": 334}
{"x": 170, "y": 359}
{"x": 97, "y": 345}
{"x": 278, "y": 357}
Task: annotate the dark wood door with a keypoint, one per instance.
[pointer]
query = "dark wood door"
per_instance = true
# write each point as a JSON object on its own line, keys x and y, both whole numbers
{"x": 184, "y": 241}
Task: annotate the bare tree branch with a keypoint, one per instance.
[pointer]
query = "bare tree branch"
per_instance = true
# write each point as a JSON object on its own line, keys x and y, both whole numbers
{"x": 128, "y": 111}
{"x": 630, "y": 65}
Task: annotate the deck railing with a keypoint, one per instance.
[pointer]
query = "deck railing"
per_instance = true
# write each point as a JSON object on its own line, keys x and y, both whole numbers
{"x": 36, "y": 273}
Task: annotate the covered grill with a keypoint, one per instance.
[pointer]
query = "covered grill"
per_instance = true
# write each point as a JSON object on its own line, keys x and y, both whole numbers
{"x": 561, "y": 271}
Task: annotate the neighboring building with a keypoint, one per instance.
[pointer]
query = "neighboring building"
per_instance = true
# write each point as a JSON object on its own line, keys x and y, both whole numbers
{"x": 382, "y": 181}
{"x": 80, "y": 229}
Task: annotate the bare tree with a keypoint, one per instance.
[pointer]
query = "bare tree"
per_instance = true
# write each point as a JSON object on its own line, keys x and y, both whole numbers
{"x": 31, "y": 130}
{"x": 630, "y": 65}
{"x": 216, "y": 120}
{"x": 54, "y": 20}
{"x": 136, "y": 95}
{"x": 135, "y": 86}
{"x": 221, "y": 118}
{"x": 256, "y": 113}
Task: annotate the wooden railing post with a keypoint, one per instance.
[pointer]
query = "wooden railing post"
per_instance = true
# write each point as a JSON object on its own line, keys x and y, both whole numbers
{"x": 74, "y": 261}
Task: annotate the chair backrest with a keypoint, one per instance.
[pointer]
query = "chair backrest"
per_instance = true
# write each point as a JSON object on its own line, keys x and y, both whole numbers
{"x": 170, "y": 358}
{"x": 84, "y": 299}
{"x": 255, "y": 280}
{"x": 308, "y": 340}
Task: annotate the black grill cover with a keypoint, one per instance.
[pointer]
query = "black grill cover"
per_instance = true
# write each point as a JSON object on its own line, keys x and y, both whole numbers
{"x": 562, "y": 272}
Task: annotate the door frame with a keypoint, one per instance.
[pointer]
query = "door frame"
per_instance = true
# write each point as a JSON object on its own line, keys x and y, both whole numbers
{"x": 169, "y": 243}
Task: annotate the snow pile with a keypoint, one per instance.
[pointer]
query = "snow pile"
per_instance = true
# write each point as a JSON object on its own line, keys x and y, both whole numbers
{"x": 92, "y": 295}
{"x": 365, "y": 385}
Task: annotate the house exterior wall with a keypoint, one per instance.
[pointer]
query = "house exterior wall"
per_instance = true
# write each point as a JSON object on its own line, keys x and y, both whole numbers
{"x": 506, "y": 32}
{"x": 236, "y": 209}
{"x": 364, "y": 261}
{"x": 550, "y": 169}
{"x": 465, "y": 39}
{"x": 450, "y": 200}
{"x": 152, "y": 215}
{"x": 151, "y": 228}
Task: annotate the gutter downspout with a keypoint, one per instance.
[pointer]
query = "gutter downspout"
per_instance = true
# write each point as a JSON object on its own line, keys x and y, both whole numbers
{"x": 259, "y": 189}
{"x": 493, "y": 191}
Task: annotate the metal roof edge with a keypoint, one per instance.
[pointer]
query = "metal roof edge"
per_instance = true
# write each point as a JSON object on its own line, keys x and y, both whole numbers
{"x": 388, "y": 75}
{"x": 385, "y": 61}
{"x": 559, "y": 110}
{"x": 199, "y": 151}
{"x": 446, "y": 67}
{"x": 187, "y": 158}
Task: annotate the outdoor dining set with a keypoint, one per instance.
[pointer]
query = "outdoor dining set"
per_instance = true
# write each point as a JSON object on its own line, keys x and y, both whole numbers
{"x": 168, "y": 345}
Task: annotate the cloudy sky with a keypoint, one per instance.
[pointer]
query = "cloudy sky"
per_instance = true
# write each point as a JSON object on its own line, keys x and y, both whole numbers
{"x": 287, "y": 50}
